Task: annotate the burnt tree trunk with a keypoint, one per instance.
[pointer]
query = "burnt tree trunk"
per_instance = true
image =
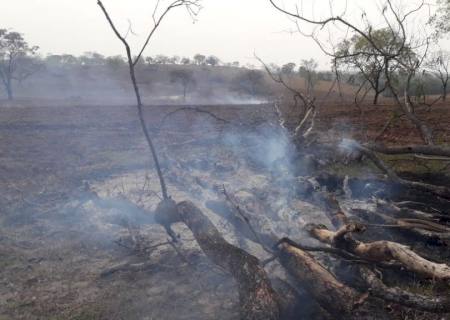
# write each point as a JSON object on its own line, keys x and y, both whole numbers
{"x": 444, "y": 92}
{"x": 333, "y": 296}
{"x": 381, "y": 251}
{"x": 258, "y": 300}
{"x": 394, "y": 294}
{"x": 377, "y": 88}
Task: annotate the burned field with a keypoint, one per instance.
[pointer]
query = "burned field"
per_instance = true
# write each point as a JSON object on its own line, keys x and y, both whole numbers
{"x": 82, "y": 236}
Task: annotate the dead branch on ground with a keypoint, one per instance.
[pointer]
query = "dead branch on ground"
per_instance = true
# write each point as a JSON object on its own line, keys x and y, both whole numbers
{"x": 380, "y": 251}
{"x": 393, "y": 294}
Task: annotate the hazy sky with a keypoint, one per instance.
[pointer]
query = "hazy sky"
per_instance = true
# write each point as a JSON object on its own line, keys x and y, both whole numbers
{"x": 230, "y": 29}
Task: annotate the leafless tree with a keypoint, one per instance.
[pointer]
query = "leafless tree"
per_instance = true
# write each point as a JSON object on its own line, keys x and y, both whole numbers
{"x": 192, "y": 8}
{"x": 304, "y": 104}
{"x": 439, "y": 64}
{"x": 308, "y": 70}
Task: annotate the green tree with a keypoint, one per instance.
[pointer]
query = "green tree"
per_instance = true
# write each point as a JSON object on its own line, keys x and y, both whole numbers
{"x": 185, "y": 78}
{"x": 250, "y": 82}
{"x": 199, "y": 59}
{"x": 363, "y": 56}
{"x": 115, "y": 62}
{"x": 17, "y": 59}
{"x": 288, "y": 68}
{"x": 92, "y": 59}
{"x": 185, "y": 61}
{"x": 212, "y": 61}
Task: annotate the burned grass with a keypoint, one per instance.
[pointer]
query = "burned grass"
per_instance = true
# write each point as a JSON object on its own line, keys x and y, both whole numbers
{"x": 77, "y": 185}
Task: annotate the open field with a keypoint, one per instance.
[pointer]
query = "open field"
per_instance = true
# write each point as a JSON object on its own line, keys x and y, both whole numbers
{"x": 64, "y": 172}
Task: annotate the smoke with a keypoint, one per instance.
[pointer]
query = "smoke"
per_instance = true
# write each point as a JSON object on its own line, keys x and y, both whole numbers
{"x": 242, "y": 100}
{"x": 266, "y": 148}
{"x": 70, "y": 85}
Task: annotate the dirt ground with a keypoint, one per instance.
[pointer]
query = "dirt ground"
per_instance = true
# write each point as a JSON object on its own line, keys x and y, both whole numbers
{"x": 64, "y": 171}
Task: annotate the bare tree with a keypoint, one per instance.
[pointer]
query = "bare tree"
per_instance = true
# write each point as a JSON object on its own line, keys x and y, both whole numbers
{"x": 192, "y": 8}
{"x": 304, "y": 104}
{"x": 308, "y": 70}
{"x": 439, "y": 64}
{"x": 16, "y": 59}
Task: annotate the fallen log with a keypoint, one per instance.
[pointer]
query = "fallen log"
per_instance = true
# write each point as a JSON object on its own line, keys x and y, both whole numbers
{"x": 440, "y": 191}
{"x": 258, "y": 300}
{"x": 428, "y": 150}
{"x": 130, "y": 267}
{"x": 418, "y": 228}
{"x": 247, "y": 223}
{"x": 396, "y": 295}
{"x": 380, "y": 251}
{"x": 332, "y": 295}
{"x": 398, "y": 210}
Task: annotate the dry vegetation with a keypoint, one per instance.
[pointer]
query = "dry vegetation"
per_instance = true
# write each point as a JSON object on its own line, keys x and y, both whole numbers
{"x": 58, "y": 237}
{"x": 306, "y": 202}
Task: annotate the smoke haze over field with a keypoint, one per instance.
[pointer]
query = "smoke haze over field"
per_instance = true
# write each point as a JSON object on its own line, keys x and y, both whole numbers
{"x": 232, "y": 29}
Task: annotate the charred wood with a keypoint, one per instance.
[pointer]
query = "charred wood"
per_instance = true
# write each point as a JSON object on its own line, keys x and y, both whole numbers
{"x": 381, "y": 251}
{"x": 258, "y": 300}
{"x": 427, "y": 150}
{"x": 394, "y": 294}
{"x": 335, "y": 297}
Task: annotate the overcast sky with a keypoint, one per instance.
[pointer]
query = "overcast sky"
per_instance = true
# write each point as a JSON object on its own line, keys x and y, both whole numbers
{"x": 229, "y": 29}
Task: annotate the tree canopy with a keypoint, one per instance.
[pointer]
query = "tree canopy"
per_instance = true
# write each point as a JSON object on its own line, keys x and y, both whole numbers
{"x": 15, "y": 62}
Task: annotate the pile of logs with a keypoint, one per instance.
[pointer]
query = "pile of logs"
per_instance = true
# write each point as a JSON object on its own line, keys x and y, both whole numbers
{"x": 336, "y": 297}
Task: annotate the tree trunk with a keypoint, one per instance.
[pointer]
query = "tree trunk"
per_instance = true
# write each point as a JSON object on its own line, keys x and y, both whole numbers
{"x": 7, "y": 83}
{"x": 377, "y": 90}
{"x": 444, "y": 92}
{"x": 9, "y": 89}
{"x": 138, "y": 99}
{"x": 332, "y": 295}
{"x": 375, "y": 98}
{"x": 258, "y": 300}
